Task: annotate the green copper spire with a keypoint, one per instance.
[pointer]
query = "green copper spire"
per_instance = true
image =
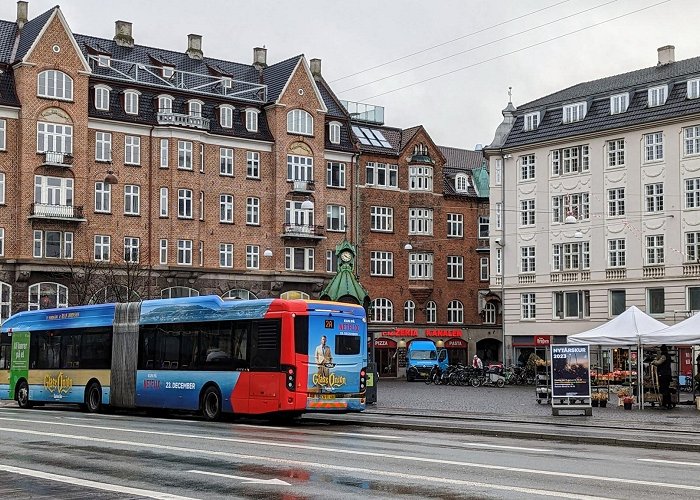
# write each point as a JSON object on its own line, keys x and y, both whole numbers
{"x": 481, "y": 180}
{"x": 344, "y": 287}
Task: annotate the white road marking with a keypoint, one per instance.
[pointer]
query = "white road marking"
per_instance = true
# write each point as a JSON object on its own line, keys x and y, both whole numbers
{"x": 245, "y": 480}
{"x": 336, "y": 451}
{"x": 92, "y": 484}
{"x": 674, "y": 462}
{"x": 357, "y": 434}
{"x": 504, "y": 447}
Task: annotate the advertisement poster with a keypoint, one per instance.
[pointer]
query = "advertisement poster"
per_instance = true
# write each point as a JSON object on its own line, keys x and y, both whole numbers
{"x": 334, "y": 355}
{"x": 571, "y": 371}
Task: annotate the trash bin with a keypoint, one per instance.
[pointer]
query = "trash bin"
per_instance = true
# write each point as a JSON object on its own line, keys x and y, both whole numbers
{"x": 372, "y": 378}
{"x": 697, "y": 402}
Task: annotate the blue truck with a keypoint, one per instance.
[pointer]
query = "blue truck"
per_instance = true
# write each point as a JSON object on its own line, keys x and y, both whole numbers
{"x": 421, "y": 357}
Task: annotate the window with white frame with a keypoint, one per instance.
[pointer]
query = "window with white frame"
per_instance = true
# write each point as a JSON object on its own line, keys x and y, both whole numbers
{"x": 295, "y": 215}
{"x": 194, "y": 108}
{"x": 654, "y": 146}
{"x": 654, "y": 197}
{"x": 531, "y": 121}
{"x": 527, "y": 259}
{"x": 692, "y": 246}
{"x": 184, "y": 252}
{"x": 55, "y": 85}
{"x": 252, "y": 165}
{"x": 47, "y": 295}
{"x": 102, "y": 97}
{"x": 252, "y": 257}
{"x": 226, "y": 161}
{"x": 132, "y": 150}
{"x": 226, "y": 255}
{"x": 555, "y": 160}
{"x": 251, "y": 119}
{"x": 527, "y": 306}
{"x": 657, "y": 95}
{"x": 2, "y": 246}
{"x": 226, "y": 116}
{"x": 498, "y": 174}
{"x": 331, "y": 262}
{"x": 409, "y": 311}
{"x": 483, "y": 227}
{"x": 53, "y": 245}
{"x": 164, "y": 202}
{"x": 201, "y": 253}
{"x": 420, "y": 178}
{"x": 571, "y": 256}
{"x": 165, "y": 104}
{"x": 572, "y": 305}
{"x": 461, "y": 183}
{"x": 420, "y": 266}
{"x": 484, "y": 268}
{"x": 2, "y": 188}
{"x": 334, "y": 132}
{"x": 167, "y": 71}
{"x": 499, "y": 261}
{"x": 576, "y": 204}
{"x": 616, "y": 253}
{"x": 431, "y": 312}
{"x": 335, "y": 218}
{"x": 300, "y": 122}
{"x": 382, "y": 175}
{"x": 694, "y": 88}
{"x": 102, "y": 248}
{"x": 527, "y": 167}
{"x": 692, "y": 193}
{"x": 616, "y": 153}
{"x": 163, "y": 252}
{"x": 335, "y": 174}
{"x": 184, "y": 203}
{"x": 131, "y": 102}
{"x": 420, "y": 221}
{"x": 527, "y": 212}
{"x": 174, "y": 292}
{"x": 655, "y": 249}
{"x": 103, "y": 197}
{"x": 131, "y": 249}
{"x": 53, "y": 190}
{"x": 103, "y": 146}
{"x": 499, "y": 215}
{"x": 164, "y": 153}
{"x": 382, "y": 311}
{"x": 201, "y": 205}
{"x": 184, "y": 155}
{"x": 490, "y": 313}
{"x": 300, "y": 168}
{"x": 3, "y": 135}
{"x": 455, "y": 267}
{"x": 616, "y": 202}
{"x": 381, "y": 219}
{"x": 575, "y": 159}
{"x": 53, "y": 137}
{"x": 455, "y": 225}
{"x": 226, "y": 208}
{"x": 574, "y": 112}
{"x": 252, "y": 211}
{"x": 299, "y": 259}
{"x": 619, "y": 103}
{"x": 691, "y": 139}
{"x": 381, "y": 263}
{"x": 455, "y": 312}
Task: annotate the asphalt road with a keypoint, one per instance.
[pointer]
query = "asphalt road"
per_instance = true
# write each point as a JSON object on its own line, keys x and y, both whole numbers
{"x": 61, "y": 454}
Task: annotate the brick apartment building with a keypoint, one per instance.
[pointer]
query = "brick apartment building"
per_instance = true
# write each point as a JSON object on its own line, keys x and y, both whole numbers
{"x": 133, "y": 172}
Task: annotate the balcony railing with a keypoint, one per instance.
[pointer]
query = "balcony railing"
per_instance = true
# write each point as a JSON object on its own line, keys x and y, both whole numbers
{"x": 303, "y": 231}
{"x": 615, "y": 274}
{"x": 303, "y": 186}
{"x": 526, "y": 279}
{"x": 166, "y": 118}
{"x": 691, "y": 269}
{"x": 654, "y": 272}
{"x": 498, "y": 281}
{"x": 62, "y": 212}
{"x": 56, "y": 159}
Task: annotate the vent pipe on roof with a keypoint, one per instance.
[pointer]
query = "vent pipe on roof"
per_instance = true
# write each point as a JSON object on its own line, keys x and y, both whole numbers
{"x": 667, "y": 55}
{"x": 122, "y": 34}
{"x": 260, "y": 57}
{"x": 194, "y": 46}
{"x": 22, "y": 13}
{"x": 315, "y": 65}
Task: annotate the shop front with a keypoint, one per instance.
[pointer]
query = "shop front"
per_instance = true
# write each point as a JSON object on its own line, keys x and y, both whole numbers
{"x": 386, "y": 357}
{"x": 524, "y": 345}
{"x": 457, "y": 351}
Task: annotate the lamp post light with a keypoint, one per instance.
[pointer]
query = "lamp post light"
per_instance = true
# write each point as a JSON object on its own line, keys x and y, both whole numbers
{"x": 267, "y": 253}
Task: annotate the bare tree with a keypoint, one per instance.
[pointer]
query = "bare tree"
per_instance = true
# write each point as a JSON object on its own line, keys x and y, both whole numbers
{"x": 129, "y": 281}
{"x": 83, "y": 278}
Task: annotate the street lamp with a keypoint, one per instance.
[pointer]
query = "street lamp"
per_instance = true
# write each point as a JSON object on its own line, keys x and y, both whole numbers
{"x": 307, "y": 204}
{"x": 267, "y": 253}
{"x": 408, "y": 246}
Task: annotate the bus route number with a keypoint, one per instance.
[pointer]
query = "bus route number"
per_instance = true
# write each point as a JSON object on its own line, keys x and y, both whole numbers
{"x": 330, "y": 323}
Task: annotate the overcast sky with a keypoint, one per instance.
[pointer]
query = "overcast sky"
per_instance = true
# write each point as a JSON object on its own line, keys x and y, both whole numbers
{"x": 461, "y": 108}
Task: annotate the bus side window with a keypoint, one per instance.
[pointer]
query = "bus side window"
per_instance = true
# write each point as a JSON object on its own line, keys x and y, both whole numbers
{"x": 147, "y": 349}
{"x": 301, "y": 334}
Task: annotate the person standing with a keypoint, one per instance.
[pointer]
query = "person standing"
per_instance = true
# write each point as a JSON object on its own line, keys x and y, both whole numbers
{"x": 663, "y": 369}
{"x": 477, "y": 363}
{"x": 323, "y": 356}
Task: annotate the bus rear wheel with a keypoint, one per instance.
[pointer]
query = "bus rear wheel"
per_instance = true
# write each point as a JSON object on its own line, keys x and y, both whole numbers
{"x": 93, "y": 398}
{"x": 23, "y": 395}
{"x": 211, "y": 404}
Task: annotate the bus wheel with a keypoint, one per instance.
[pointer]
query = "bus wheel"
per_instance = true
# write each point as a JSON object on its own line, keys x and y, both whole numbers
{"x": 211, "y": 404}
{"x": 93, "y": 398}
{"x": 23, "y": 395}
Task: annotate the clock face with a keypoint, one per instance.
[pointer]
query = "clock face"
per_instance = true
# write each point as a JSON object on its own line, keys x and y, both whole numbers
{"x": 346, "y": 256}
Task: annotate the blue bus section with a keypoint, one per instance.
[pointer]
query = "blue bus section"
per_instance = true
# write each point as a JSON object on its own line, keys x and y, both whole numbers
{"x": 60, "y": 319}
{"x": 180, "y": 390}
{"x": 205, "y": 308}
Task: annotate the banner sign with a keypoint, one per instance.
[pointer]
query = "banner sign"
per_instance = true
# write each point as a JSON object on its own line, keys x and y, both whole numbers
{"x": 571, "y": 373}
{"x": 542, "y": 340}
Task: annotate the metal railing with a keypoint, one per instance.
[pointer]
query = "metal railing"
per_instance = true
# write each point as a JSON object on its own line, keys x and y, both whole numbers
{"x": 47, "y": 211}
{"x": 303, "y": 230}
{"x": 57, "y": 159}
{"x": 166, "y": 118}
{"x": 303, "y": 186}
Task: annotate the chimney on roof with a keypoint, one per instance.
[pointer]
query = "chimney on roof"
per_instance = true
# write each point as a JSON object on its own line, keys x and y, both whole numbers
{"x": 260, "y": 57}
{"x": 122, "y": 34}
{"x": 22, "y": 13}
{"x": 315, "y": 68}
{"x": 194, "y": 46}
{"x": 667, "y": 55}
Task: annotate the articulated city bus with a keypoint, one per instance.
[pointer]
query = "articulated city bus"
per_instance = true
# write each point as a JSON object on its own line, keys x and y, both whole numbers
{"x": 205, "y": 354}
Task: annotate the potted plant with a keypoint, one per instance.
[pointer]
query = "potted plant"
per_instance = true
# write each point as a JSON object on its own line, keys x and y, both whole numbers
{"x": 599, "y": 398}
{"x": 627, "y": 402}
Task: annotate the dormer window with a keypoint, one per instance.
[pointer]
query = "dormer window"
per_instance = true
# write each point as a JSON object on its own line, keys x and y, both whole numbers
{"x": 168, "y": 71}
{"x": 104, "y": 61}
{"x": 334, "y": 132}
{"x": 461, "y": 183}
{"x": 226, "y": 116}
{"x": 102, "y": 97}
{"x": 131, "y": 102}
{"x": 657, "y": 95}
{"x": 574, "y": 112}
{"x": 251, "y": 119}
{"x": 694, "y": 88}
{"x": 531, "y": 121}
{"x": 195, "y": 108}
{"x": 165, "y": 104}
{"x": 619, "y": 103}
{"x": 226, "y": 82}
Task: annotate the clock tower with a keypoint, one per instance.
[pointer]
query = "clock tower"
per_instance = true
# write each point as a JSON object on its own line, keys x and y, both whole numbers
{"x": 345, "y": 286}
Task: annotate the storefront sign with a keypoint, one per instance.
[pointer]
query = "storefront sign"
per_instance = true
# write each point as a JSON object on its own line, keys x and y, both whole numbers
{"x": 571, "y": 374}
{"x": 456, "y": 344}
{"x": 541, "y": 340}
{"x": 384, "y": 343}
{"x": 443, "y": 333}
{"x": 400, "y": 332}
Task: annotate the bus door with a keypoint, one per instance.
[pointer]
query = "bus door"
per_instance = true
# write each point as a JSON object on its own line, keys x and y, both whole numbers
{"x": 265, "y": 376}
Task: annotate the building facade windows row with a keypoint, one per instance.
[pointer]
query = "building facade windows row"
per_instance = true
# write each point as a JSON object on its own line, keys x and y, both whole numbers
{"x": 382, "y": 311}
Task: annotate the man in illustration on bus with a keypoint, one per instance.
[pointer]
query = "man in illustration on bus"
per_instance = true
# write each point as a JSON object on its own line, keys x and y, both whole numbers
{"x": 323, "y": 356}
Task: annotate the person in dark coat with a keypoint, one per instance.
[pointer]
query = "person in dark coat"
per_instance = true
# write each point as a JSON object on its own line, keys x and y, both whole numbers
{"x": 663, "y": 369}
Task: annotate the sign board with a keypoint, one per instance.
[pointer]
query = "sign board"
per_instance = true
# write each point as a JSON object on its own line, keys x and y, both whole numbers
{"x": 571, "y": 371}
{"x": 456, "y": 344}
{"x": 384, "y": 343}
{"x": 542, "y": 340}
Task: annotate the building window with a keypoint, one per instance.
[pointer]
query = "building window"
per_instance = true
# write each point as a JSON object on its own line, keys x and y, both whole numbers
{"x": 483, "y": 227}
{"x": 527, "y": 167}
{"x": 420, "y": 221}
{"x": 3, "y": 135}
{"x": 455, "y": 267}
{"x": 163, "y": 202}
{"x": 54, "y": 138}
{"x": 131, "y": 102}
{"x": 184, "y": 252}
{"x": 382, "y": 175}
{"x": 381, "y": 219}
{"x": 184, "y": 155}
{"x": 54, "y": 191}
{"x": 499, "y": 261}
{"x": 165, "y": 104}
{"x": 431, "y": 312}
{"x": 164, "y": 149}
{"x": 252, "y": 257}
{"x": 252, "y": 211}
{"x": 619, "y": 103}
{"x": 331, "y": 262}
{"x": 654, "y": 197}
{"x": 618, "y": 302}
{"x": 531, "y": 121}
{"x": 102, "y": 248}
{"x": 184, "y": 203}
{"x": 616, "y": 202}
{"x": 575, "y": 204}
{"x": 420, "y": 266}
{"x": 194, "y": 108}
{"x": 47, "y": 296}
{"x": 461, "y": 183}
{"x": 163, "y": 255}
{"x": 572, "y": 305}
{"x": 226, "y": 116}
{"x": 382, "y": 311}
{"x": 335, "y": 174}
{"x": 131, "y": 249}
{"x": 571, "y": 256}
{"x": 692, "y": 140}
{"x": 654, "y": 146}
{"x": 527, "y": 259}
{"x": 132, "y": 150}
{"x": 226, "y": 255}
{"x": 616, "y": 253}
{"x": 409, "y": 311}
{"x": 132, "y": 199}
{"x": 693, "y": 89}
{"x": 498, "y": 175}
{"x": 455, "y": 312}
{"x": 574, "y": 112}
{"x": 420, "y": 178}
{"x": 299, "y": 259}
{"x": 201, "y": 205}
{"x": 300, "y": 168}
{"x": 226, "y": 208}
{"x": 657, "y": 95}
{"x": 527, "y": 306}
{"x": 300, "y": 122}
{"x": 655, "y": 249}
{"x": 455, "y": 225}
{"x": 693, "y": 298}
{"x": 692, "y": 246}
{"x": 490, "y": 313}
{"x": 527, "y": 212}
{"x": 55, "y": 85}
{"x": 296, "y": 216}
{"x": 2, "y": 188}
{"x": 334, "y": 132}
{"x": 5, "y": 311}
{"x": 251, "y": 120}
{"x": 484, "y": 268}
{"x": 656, "y": 301}
{"x": 616, "y": 153}
{"x": 692, "y": 193}
{"x": 381, "y": 263}
{"x": 103, "y": 146}
{"x": 226, "y": 161}
{"x": 103, "y": 197}
{"x": 335, "y": 218}
{"x": 556, "y": 162}
{"x": 253, "y": 164}
{"x": 102, "y": 97}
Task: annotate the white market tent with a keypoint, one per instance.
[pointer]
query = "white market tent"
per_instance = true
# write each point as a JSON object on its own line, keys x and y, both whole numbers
{"x": 626, "y": 329}
{"x": 687, "y": 332}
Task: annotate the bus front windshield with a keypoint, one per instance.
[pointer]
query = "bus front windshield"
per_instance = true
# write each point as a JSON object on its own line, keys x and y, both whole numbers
{"x": 423, "y": 355}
